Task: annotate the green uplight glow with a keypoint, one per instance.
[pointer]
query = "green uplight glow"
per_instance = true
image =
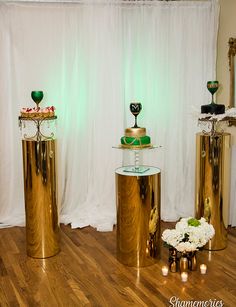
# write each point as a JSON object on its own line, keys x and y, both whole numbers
{"x": 145, "y": 82}
{"x": 143, "y": 79}
{"x": 70, "y": 96}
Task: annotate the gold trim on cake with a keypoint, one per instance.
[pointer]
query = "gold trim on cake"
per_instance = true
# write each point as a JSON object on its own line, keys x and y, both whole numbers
{"x": 136, "y": 146}
{"x": 135, "y": 132}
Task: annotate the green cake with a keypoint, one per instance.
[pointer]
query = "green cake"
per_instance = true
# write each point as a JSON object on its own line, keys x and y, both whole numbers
{"x": 135, "y": 138}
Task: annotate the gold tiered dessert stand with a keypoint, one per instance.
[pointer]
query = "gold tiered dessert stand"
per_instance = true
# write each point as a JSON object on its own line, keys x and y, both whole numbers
{"x": 40, "y": 186}
{"x": 213, "y": 178}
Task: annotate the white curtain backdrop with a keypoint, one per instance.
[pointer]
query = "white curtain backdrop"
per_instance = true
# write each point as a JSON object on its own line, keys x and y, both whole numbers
{"x": 91, "y": 59}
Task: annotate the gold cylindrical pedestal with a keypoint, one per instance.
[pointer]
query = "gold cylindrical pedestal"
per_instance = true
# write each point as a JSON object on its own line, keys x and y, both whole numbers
{"x": 42, "y": 229}
{"x": 212, "y": 184}
{"x": 138, "y": 217}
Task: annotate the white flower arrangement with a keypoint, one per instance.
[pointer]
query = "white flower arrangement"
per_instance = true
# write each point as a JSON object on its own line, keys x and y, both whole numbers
{"x": 189, "y": 234}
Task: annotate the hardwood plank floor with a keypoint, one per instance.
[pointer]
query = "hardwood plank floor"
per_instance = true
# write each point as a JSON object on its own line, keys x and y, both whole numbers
{"x": 87, "y": 273}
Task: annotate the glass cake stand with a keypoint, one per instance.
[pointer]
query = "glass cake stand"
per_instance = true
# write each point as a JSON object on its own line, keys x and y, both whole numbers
{"x": 137, "y": 168}
{"x": 38, "y": 128}
{"x": 212, "y": 126}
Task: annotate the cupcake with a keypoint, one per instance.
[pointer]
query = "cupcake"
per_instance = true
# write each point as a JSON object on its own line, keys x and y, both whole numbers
{"x": 45, "y": 112}
{"x": 52, "y": 111}
{"x": 23, "y": 112}
{"x": 31, "y": 112}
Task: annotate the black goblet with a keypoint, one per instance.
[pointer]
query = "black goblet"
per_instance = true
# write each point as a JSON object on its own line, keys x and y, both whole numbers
{"x": 135, "y": 108}
{"x": 212, "y": 87}
{"x": 213, "y": 108}
{"x": 37, "y": 96}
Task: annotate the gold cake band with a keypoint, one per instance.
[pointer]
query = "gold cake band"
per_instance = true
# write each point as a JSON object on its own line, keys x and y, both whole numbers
{"x": 136, "y": 146}
{"x": 135, "y": 132}
{"x": 212, "y": 85}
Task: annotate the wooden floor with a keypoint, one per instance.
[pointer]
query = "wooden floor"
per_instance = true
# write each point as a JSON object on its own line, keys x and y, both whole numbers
{"x": 86, "y": 273}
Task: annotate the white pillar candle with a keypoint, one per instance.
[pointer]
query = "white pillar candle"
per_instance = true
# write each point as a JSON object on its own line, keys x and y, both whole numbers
{"x": 203, "y": 268}
{"x": 184, "y": 276}
{"x": 165, "y": 270}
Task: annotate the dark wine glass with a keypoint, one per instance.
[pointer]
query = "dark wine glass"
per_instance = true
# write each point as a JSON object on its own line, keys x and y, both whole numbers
{"x": 212, "y": 87}
{"x": 135, "y": 109}
{"x": 37, "y": 96}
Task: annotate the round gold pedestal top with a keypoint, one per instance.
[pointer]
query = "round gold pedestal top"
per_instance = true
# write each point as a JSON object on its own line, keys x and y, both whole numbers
{"x": 151, "y": 171}
{"x": 135, "y": 132}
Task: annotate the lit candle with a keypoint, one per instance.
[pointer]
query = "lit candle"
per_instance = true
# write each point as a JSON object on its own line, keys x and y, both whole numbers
{"x": 165, "y": 270}
{"x": 184, "y": 276}
{"x": 203, "y": 268}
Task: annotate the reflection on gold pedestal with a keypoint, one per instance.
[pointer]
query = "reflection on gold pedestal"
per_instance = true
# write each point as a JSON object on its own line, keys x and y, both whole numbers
{"x": 42, "y": 229}
{"x": 138, "y": 219}
{"x": 212, "y": 184}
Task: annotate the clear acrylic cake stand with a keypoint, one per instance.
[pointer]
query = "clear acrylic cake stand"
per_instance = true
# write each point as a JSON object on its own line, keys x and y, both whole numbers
{"x": 136, "y": 168}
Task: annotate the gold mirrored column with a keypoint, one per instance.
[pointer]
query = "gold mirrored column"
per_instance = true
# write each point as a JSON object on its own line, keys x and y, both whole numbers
{"x": 138, "y": 218}
{"x": 42, "y": 229}
{"x": 212, "y": 184}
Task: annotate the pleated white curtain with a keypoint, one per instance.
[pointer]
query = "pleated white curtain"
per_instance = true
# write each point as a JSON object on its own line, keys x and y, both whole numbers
{"x": 91, "y": 59}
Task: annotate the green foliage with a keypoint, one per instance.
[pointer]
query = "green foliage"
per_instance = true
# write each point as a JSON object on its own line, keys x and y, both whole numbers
{"x": 193, "y": 222}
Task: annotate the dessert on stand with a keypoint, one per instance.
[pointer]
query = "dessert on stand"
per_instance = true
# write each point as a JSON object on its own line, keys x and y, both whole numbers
{"x": 138, "y": 200}
{"x": 213, "y": 150}
{"x": 135, "y": 137}
{"x": 38, "y": 130}
{"x": 135, "y": 140}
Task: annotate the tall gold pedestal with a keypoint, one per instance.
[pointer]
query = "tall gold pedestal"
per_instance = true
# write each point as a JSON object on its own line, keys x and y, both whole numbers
{"x": 212, "y": 184}
{"x": 42, "y": 229}
{"x": 138, "y": 217}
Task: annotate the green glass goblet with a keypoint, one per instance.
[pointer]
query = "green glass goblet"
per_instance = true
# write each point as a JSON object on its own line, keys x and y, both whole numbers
{"x": 37, "y": 96}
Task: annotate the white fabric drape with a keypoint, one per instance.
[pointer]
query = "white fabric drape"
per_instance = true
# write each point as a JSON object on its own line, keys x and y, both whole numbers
{"x": 92, "y": 59}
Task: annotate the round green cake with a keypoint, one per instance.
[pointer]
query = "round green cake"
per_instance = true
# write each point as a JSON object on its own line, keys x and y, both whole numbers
{"x": 135, "y": 137}
{"x": 142, "y": 141}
